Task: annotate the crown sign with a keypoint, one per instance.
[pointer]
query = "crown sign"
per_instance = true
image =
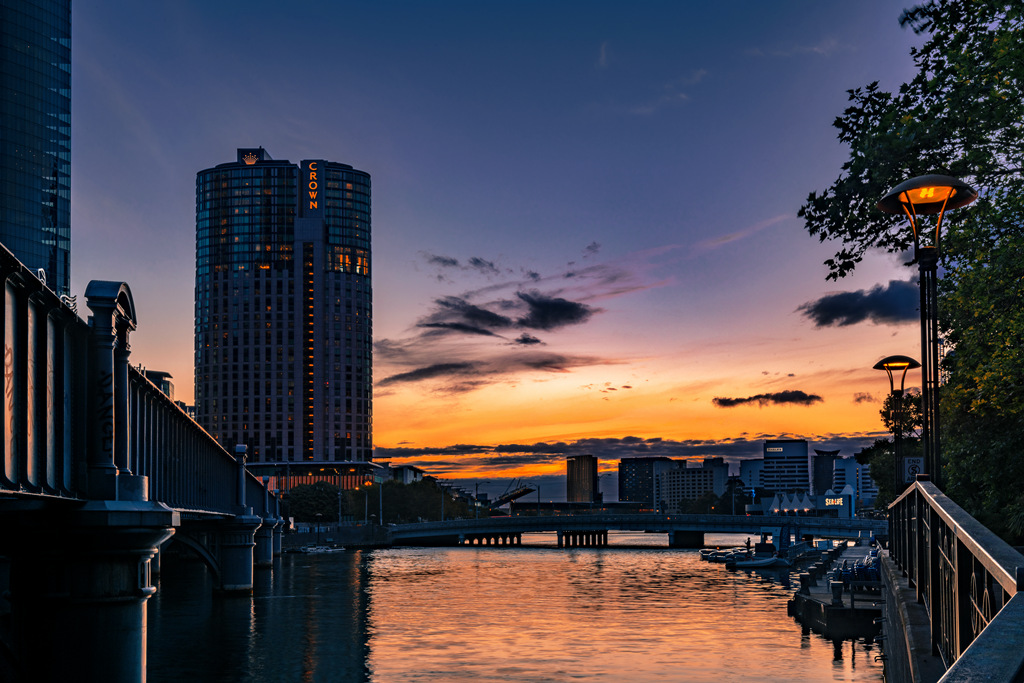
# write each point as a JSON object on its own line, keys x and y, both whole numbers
{"x": 250, "y": 158}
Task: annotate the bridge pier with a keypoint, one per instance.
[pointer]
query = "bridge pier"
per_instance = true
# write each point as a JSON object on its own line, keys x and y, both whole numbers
{"x": 263, "y": 555}
{"x": 686, "y": 539}
{"x": 79, "y": 580}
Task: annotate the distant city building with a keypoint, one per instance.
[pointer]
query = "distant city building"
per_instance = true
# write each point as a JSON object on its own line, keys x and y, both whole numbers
{"x": 581, "y": 481}
{"x": 162, "y": 380}
{"x": 35, "y": 137}
{"x": 752, "y": 473}
{"x": 283, "y": 315}
{"x": 406, "y": 474}
{"x": 786, "y": 467}
{"x": 849, "y": 472}
{"x": 822, "y": 465}
{"x": 638, "y": 478}
{"x": 690, "y": 482}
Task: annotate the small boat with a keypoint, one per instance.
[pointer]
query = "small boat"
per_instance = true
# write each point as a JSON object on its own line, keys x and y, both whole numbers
{"x": 319, "y": 549}
{"x": 753, "y": 563}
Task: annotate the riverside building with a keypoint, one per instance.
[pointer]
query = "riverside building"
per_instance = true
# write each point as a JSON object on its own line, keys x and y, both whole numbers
{"x": 581, "y": 481}
{"x": 283, "y": 315}
{"x": 35, "y": 136}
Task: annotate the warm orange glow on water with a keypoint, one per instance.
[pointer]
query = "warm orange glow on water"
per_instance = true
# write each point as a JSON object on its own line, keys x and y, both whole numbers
{"x": 635, "y": 611}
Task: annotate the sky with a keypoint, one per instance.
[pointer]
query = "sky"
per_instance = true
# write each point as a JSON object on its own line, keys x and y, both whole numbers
{"x": 585, "y": 231}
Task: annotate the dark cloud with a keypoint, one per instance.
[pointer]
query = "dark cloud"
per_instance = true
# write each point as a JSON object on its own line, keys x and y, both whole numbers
{"x": 892, "y": 304}
{"x": 610, "y": 450}
{"x": 591, "y": 249}
{"x": 486, "y": 267}
{"x": 428, "y": 372}
{"x": 457, "y": 327}
{"x": 461, "y": 377}
{"x": 549, "y": 312}
{"x": 527, "y": 340}
{"x": 470, "y": 314}
{"x": 443, "y": 261}
{"x": 533, "y": 275}
{"x": 782, "y": 397}
{"x": 863, "y": 398}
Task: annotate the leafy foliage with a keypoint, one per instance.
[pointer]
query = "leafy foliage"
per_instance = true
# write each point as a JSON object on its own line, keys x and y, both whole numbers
{"x": 963, "y": 115}
{"x": 419, "y": 500}
{"x": 903, "y": 413}
{"x": 306, "y": 501}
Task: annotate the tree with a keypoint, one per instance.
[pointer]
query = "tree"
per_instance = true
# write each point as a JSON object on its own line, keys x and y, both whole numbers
{"x": 962, "y": 115}
{"x": 306, "y": 501}
{"x": 903, "y": 413}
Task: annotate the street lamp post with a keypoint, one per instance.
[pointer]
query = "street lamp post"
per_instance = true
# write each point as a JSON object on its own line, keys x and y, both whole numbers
{"x": 923, "y": 196}
{"x": 476, "y": 498}
{"x": 900, "y": 364}
{"x": 318, "y": 516}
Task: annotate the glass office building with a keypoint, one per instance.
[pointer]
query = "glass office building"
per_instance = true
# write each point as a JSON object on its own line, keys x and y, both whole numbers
{"x": 35, "y": 136}
{"x": 283, "y": 314}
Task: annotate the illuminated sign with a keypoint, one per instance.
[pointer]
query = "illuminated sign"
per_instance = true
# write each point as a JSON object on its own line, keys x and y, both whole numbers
{"x": 774, "y": 449}
{"x": 249, "y": 158}
{"x": 312, "y": 185}
{"x": 833, "y": 502}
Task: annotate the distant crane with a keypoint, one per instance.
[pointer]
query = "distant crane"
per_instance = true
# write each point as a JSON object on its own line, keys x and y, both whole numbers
{"x": 515, "y": 489}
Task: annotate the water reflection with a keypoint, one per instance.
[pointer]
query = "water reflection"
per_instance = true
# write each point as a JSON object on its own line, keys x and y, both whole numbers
{"x": 517, "y": 614}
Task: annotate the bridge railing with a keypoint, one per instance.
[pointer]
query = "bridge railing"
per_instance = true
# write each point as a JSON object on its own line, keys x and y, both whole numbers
{"x": 43, "y": 417}
{"x": 964, "y": 575}
{"x": 187, "y": 468}
{"x": 78, "y": 422}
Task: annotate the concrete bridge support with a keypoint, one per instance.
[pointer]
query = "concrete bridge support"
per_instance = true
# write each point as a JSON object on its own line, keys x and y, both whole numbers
{"x": 80, "y": 580}
{"x": 582, "y": 539}
{"x": 686, "y": 539}
{"x": 263, "y": 555}
{"x": 236, "y": 541}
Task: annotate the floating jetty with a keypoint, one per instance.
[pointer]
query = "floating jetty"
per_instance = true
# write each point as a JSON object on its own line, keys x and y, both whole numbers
{"x": 839, "y": 604}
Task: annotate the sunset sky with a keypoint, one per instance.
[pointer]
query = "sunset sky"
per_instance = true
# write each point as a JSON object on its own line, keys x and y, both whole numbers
{"x": 584, "y": 213}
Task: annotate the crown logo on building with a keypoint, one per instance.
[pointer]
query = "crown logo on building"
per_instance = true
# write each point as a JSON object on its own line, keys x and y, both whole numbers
{"x": 250, "y": 158}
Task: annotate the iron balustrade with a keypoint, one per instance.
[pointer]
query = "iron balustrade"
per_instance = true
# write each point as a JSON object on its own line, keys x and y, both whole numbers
{"x": 962, "y": 573}
{"x": 187, "y": 468}
{"x": 65, "y": 423}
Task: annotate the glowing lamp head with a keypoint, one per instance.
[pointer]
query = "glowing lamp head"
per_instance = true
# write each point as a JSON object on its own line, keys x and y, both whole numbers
{"x": 896, "y": 364}
{"x": 927, "y": 195}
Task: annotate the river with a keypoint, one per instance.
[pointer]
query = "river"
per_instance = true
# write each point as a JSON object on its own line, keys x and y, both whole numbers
{"x": 628, "y": 612}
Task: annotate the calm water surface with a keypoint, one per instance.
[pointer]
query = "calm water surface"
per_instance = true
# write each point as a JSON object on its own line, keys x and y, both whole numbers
{"x": 625, "y": 613}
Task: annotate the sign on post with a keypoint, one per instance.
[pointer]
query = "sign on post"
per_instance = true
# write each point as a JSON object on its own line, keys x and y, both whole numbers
{"x": 912, "y": 466}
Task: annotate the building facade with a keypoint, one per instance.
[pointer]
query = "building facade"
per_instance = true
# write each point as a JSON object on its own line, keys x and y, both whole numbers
{"x": 786, "y": 466}
{"x": 680, "y": 484}
{"x": 752, "y": 474}
{"x": 581, "y": 481}
{"x": 638, "y": 478}
{"x": 35, "y": 136}
{"x": 283, "y": 314}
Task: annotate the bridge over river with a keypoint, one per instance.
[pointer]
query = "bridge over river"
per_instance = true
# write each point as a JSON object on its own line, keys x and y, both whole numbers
{"x": 99, "y": 469}
{"x": 592, "y": 530}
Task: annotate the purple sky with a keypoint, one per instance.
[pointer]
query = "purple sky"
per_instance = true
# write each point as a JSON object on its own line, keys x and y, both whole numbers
{"x": 584, "y": 213}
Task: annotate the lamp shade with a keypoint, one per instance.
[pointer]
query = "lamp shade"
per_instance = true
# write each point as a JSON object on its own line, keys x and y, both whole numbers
{"x": 928, "y": 194}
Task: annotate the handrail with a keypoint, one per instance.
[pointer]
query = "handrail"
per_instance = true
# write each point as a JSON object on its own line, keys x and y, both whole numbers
{"x": 76, "y": 419}
{"x": 962, "y": 572}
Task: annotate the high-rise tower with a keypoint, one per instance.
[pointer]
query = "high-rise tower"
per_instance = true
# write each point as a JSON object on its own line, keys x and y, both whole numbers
{"x": 35, "y": 136}
{"x": 283, "y": 313}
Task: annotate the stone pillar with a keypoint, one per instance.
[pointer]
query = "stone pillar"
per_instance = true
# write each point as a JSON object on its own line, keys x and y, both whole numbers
{"x": 263, "y": 556}
{"x": 113, "y": 317}
{"x": 236, "y": 553}
{"x": 236, "y": 538}
{"x": 79, "y": 581}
